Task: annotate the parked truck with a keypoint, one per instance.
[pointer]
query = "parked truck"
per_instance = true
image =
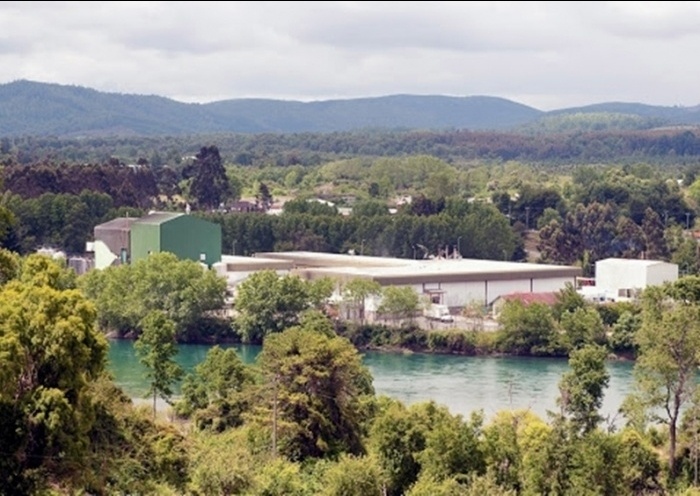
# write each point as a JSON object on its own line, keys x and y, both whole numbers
{"x": 438, "y": 312}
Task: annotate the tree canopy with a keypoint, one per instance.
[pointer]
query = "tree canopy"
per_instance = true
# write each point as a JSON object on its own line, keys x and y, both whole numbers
{"x": 188, "y": 295}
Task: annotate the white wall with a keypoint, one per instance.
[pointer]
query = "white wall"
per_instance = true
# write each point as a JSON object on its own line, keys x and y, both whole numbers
{"x": 661, "y": 273}
{"x": 103, "y": 255}
{"x": 613, "y": 275}
{"x": 460, "y": 294}
{"x": 551, "y": 284}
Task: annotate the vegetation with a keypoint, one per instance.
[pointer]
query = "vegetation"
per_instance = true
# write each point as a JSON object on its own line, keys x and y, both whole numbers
{"x": 190, "y": 297}
{"x": 304, "y": 419}
{"x": 156, "y": 349}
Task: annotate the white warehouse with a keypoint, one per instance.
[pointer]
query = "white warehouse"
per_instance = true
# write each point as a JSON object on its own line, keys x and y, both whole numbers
{"x": 452, "y": 282}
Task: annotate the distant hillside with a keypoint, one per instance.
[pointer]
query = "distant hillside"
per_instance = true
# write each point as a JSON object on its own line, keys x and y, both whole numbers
{"x": 667, "y": 115}
{"x": 42, "y": 109}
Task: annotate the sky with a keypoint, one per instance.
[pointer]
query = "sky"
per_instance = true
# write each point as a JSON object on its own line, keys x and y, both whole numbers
{"x": 548, "y": 55}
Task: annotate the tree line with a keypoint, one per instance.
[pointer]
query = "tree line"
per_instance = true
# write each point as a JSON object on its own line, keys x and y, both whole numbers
{"x": 483, "y": 212}
{"x": 665, "y": 146}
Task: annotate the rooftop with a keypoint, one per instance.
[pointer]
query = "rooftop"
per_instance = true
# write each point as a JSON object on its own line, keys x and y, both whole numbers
{"x": 405, "y": 271}
{"x": 635, "y": 262}
{"x": 118, "y": 224}
{"x": 158, "y": 217}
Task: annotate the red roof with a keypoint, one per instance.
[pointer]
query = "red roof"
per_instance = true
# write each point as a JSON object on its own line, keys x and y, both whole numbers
{"x": 527, "y": 298}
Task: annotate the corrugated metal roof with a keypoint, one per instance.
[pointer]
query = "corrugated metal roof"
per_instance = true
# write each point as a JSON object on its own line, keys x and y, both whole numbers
{"x": 320, "y": 259}
{"x": 439, "y": 270}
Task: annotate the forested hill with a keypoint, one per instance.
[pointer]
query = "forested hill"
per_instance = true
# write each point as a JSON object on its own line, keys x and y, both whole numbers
{"x": 42, "y": 109}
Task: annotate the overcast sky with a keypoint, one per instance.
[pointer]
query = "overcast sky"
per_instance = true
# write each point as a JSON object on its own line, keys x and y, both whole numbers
{"x": 548, "y": 55}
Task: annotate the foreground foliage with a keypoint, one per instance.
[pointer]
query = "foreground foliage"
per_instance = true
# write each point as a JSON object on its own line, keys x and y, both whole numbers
{"x": 304, "y": 420}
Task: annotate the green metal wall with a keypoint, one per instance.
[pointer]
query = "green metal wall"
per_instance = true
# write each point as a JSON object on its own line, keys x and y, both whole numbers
{"x": 185, "y": 236}
{"x": 189, "y": 237}
{"x": 145, "y": 239}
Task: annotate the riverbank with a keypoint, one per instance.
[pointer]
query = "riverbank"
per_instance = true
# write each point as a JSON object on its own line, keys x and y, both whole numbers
{"x": 411, "y": 338}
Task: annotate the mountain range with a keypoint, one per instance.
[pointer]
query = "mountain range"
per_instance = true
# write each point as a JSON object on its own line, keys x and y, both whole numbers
{"x": 29, "y": 108}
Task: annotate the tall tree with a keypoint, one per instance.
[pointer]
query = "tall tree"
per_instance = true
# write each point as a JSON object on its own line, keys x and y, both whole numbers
{"x": 156, "y": 349}
{"x": 653, "y": 229}
{"x": 189, "y": 296}
{"x": 210, "y": 184}
{"x": 665, "y": 371}
{"x": 582, "y": 388}
{"x": 317, "y": 390}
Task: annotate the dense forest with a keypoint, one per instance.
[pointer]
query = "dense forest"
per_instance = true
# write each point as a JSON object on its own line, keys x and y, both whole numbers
{"x": 670, "y": 147}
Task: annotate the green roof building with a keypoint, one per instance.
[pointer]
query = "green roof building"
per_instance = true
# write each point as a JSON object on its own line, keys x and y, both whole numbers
{"x": 186, "y": 236}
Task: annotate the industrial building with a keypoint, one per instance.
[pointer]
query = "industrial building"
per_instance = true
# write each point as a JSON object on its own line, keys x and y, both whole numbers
{"x": 127, "y": 240}
{"x": 621, "y": 279}
{"x": 452, "y": 282}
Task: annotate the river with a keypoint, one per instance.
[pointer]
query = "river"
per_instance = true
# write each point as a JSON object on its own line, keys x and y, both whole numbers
{"x": 463, "y": 384}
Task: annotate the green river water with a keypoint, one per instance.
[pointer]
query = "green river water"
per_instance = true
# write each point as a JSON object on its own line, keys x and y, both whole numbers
{"x": 463, "y": 384}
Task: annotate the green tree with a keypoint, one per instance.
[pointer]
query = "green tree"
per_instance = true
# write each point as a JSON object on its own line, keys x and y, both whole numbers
{"x": 214, "y": 394}
{"x": 8, "y": 230}
{"x": 49, "y": 353}
{"x": 263, "y": 197}
{"x": 370, "y": 208}
{"x": 317, "y": 392}
{"x": 210, "y": 184}
{"x": 356, "y": 292}
{"x": 397, "y": 439}
{"x": 528, "y": 330}
{"x": 399, "y": 302}
{"x": 665, "y": 371}
{"x": 10, "y": 263}
{"x": 583, "y": 326}
{"x": 582, "y": 388}
{"x": 568, "y": 300}
{"x": 653, "y": 229}
{"x": 189, "y": 296}
{"x": 268, "y": 303}
{"x": 156, "y": 349}
{"x": 623, "y": 333}
{"x": 353, "y": 476}
{"x": 687, "y": 257}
